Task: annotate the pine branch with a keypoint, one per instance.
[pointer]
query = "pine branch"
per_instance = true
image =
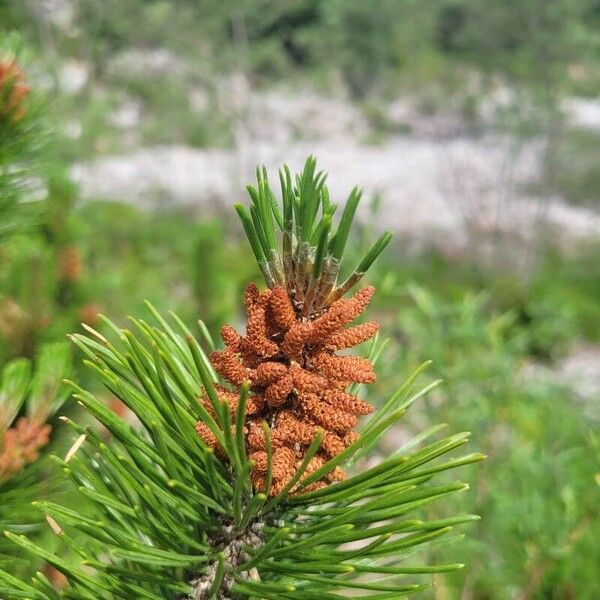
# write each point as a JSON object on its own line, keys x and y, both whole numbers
{"x": 23, "y": 439}
{"x": 230, "y": 484}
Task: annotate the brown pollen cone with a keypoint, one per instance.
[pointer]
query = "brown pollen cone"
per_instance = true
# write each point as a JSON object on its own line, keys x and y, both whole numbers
{"x": 70, "y": 264}
{"x": 21, "y": 446}
{"x": 13, "y": 90}
{"x": 297, "y": 381}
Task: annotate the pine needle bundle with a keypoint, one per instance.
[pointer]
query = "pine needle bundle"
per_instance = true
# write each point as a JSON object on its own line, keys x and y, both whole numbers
{"x": 238, "y": 481}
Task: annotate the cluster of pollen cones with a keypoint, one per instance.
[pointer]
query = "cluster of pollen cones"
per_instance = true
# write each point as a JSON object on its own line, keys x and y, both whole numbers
{"x": 297, "y": 382}
{"x": 21, "y": 446}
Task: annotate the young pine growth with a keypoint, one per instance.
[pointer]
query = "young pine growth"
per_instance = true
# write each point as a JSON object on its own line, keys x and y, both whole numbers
{"x": 234, "y": 484}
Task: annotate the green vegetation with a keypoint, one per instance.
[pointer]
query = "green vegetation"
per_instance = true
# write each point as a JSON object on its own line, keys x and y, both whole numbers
{"x": 495, "y": 339}
{"x": 536, "y": 493}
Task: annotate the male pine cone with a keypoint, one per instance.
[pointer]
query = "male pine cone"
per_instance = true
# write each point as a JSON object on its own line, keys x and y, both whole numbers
{"x": 297, "y": 382}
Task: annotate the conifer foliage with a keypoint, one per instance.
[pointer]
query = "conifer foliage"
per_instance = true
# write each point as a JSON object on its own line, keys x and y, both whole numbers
{"x": 36, "y": 397}
{"x": 234, "y": 483}
{"x": 22, "y": 132}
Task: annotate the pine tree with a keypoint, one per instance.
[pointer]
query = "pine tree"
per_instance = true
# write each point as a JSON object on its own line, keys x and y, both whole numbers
{"x": 234, "y": 483}
{"x": 36, "y": 397}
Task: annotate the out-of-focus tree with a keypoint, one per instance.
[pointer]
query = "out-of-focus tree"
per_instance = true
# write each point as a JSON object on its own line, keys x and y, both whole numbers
{"x": 41, "y": 266}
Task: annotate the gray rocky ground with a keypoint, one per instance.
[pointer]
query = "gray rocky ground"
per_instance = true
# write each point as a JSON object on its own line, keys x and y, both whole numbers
{"x": 435, "y": 182}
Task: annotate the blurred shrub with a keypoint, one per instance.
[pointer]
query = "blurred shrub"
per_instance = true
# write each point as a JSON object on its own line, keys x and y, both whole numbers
{"x": 216, "y": 280}
{"x": 522, "y": 38}
{"x": 41, "y": 272}
{"x": 573, "y": 169}
{"x": 572, "y": 285}
{"x": 363, "y": 42}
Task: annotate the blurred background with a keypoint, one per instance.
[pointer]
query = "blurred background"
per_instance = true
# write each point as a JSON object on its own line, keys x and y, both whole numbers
{"x": 473, "y": 127}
